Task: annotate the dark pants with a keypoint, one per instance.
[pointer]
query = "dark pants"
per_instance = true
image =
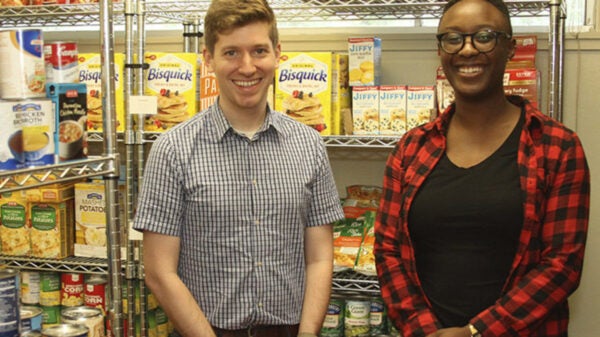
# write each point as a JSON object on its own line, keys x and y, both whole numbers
{"x": 260, "y": 331}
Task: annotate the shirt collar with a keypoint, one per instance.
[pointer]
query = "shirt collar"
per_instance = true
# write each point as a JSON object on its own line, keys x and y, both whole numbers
{"x": 223, "y": 127}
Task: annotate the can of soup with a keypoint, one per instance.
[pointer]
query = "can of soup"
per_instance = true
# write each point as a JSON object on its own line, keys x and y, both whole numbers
{"x": 61, "y": 60}
{"x": 22, "y": 64}
{"x": 65, "y": 330}
{"x": 31, "y": 318}
{"x": 9, "y": 302}
{"x": 90, "y": 317}
{"x": 30, "y": 287}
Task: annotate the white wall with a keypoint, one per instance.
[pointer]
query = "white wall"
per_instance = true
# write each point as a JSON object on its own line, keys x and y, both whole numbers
{"x": 411, "y": 58}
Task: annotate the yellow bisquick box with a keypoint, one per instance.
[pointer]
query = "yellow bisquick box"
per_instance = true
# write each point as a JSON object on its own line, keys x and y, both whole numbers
{"x": 172, "y": 78}
{"x": 51, "y": 229}
{"x": 14, "y": 233}
{"x": 303, "y": 88}
{"x": 365, "y": 61}
{"x": 90, "y": 73}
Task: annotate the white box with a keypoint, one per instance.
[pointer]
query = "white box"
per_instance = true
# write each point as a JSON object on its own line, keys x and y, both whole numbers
{"x": 392, "y": 110}
{"x": 364, "y": 61}
{"x": 365, "y": 110}
{"x": 420, "y": 105}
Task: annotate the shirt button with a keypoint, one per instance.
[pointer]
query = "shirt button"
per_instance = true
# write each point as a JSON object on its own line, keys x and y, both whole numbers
{"x": 260, "y": 304}
{"x": 259, "y": 264}
{"x": 257, "y": 222}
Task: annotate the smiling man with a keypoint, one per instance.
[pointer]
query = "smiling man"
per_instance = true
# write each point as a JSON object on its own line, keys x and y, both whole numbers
{"x": 237, "y": 202}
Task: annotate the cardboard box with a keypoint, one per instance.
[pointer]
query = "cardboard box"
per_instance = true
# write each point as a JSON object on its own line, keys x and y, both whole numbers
{"x": 341, "y": 96}
{"x": 70, "y": 103}
{"x": 14, "y": 232}
{"x": 364, "y": 61}
{"x": 171, "y": 77}
{"x": 51, "y": 193}
{"x": 52, "y": 229}
{"x": 90, "y": 220}
{"x": 90, "y": 73}
{"x": 208, "y": 88}
{"x": 420, "y": 105}
{"x": 303, "y": 85}
{"x": 365, "y": 110}
{"x": 523, "y": 82}
{"x": 392, "y": 110}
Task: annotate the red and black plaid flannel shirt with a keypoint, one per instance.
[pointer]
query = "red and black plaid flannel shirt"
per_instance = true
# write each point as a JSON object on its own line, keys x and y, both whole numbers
{"x": 547, "y": 269}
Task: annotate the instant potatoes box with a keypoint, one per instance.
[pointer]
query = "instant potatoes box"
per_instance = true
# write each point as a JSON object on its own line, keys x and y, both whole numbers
{"x": 90, "y": 73}
{"x": 172, "y": 78}
{"x": 303, "y": 88}
{"x": 14, "y": 232}
{"x": 90, "y": 220}
{"x": 52, "y": 229}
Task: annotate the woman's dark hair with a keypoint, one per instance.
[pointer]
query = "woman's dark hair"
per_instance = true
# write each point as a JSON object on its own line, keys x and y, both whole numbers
{"x": 496, "y": 3}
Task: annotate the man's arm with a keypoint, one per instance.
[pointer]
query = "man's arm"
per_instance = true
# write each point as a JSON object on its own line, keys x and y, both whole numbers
{"x": 161, "y": 257}
{"x": 318, "y": 252}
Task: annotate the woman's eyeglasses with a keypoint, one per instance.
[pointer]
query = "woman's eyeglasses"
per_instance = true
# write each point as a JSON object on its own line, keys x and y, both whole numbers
{"x": 484, "y": 40}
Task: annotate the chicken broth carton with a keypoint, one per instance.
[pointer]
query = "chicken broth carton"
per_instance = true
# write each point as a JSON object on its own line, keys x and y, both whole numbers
{"x": 392, "y": 110}
{"x": 303, "y": 88}
{"x": 171, "y": 77}
{"x": 90, "y": 220}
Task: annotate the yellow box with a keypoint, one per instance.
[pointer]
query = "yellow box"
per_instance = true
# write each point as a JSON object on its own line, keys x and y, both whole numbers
{"x": 14, "y": 232}
{"x": 303, "y": 88}
{"x": 341, "y": 96}
{"x": 90, "y": 73}
{"x": 172, "y": 78}
{"x": 90, "y": 220}
{"x": 51, "y": 193}
{"x": 52, "y": 229}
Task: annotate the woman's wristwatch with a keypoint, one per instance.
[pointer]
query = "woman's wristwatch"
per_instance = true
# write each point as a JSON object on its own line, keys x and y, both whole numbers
{"x": 474, "y": 331}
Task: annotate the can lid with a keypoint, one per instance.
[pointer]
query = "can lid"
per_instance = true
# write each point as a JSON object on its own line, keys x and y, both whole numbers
{"x": 64, "y": 329}
{"x": 81, "y": 312}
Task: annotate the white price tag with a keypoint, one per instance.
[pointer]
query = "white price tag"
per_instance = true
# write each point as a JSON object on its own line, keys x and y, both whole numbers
{"x": 143, "y": 105}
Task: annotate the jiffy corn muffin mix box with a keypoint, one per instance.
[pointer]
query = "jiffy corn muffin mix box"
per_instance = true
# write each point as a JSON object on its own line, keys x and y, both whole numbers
{"x": 420, "y": 105}
{"x": 90, "y": 73}
{"x": 392, "y": 110}
{"x": 172, "y": 78}
{"x": 364, "y": 61}
{"x": 365, "y": 110}
{"x": 303, "y": 88}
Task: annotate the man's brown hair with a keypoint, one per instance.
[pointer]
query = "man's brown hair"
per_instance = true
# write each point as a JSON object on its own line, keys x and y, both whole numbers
{"x": 225, "y": 15}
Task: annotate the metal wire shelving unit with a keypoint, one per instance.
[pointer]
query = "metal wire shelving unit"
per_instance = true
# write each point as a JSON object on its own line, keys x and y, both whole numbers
{"x": 289, "y": 13}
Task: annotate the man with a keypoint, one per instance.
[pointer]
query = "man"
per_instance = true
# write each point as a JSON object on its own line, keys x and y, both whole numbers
{"x": 237, "y": 201}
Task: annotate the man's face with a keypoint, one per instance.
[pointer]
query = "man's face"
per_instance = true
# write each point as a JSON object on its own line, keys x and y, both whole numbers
{"x": 244, "y": 62}
{"x": 473, "y": 73}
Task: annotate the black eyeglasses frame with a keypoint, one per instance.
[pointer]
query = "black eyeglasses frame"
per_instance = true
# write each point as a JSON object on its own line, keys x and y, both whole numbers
{"x": 496, "y": 35}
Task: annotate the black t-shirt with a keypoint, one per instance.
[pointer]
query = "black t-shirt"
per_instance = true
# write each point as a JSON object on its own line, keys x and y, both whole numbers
{"x": 465, "y": 226}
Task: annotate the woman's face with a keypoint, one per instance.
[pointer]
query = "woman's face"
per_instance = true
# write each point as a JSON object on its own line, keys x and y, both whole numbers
{"x": 475, "y": 75}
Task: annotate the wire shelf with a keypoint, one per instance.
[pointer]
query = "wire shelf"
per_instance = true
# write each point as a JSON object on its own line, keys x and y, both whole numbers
{"x": 287, "y": 11}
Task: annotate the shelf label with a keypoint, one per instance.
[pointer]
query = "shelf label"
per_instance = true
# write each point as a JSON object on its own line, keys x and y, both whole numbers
{"x": 143, "y": 105}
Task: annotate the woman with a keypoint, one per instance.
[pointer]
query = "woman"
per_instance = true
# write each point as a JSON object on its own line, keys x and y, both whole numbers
{"x": 482, "y": 225}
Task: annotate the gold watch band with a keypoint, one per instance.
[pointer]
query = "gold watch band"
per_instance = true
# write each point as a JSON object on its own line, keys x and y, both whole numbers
{"x": 474, "y": 331}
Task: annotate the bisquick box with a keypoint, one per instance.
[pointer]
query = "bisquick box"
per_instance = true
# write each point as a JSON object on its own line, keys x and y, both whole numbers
{"x": 303, "y": 87}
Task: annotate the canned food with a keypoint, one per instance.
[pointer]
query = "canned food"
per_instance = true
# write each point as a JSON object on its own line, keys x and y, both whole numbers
{"x": 90, "y": 317}
{"x": 357, "y": 317}
{"x": 49, "y": 289}
{"x": 22, "y": 64}
{"x": 32, "y": 333}
{"x": 30, "y": 287}
{"x": 31, "y": 318}
{"x": 71, "y": 289}
{"x": 378, "y": 317}
{"x": 50, "y": 316}
{"x": 65, "y": 330}
{"x": 333, "y": 325}
{"x": 9, "y": 302}
{"x": 61, "y": 60}
{"x": 94, "y": 294}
